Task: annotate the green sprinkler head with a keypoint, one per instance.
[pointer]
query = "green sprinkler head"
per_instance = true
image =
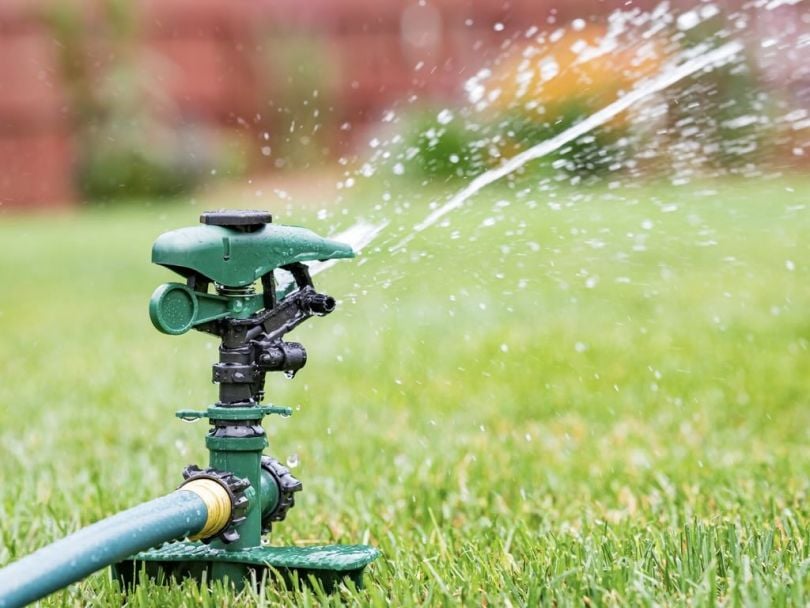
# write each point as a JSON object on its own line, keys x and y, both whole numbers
{"x": 223, "y": 261}
{"x": 233, "y": 250}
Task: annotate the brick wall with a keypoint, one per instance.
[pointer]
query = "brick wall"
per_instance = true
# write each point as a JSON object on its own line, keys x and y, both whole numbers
{"x": 35, "y": 148}
{"x": 206, "y": 70}
{"x": 212, "y": 70}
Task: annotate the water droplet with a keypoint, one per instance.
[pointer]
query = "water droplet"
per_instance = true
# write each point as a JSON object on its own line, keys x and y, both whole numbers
{"x": 688, "y": 20}
{"x": 549, "y": 68}
{"x": 445, "y": 116}
{"x": 292, "y": 460}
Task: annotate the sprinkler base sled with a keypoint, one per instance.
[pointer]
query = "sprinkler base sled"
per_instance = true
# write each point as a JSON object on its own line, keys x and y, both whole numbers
{"x": 329, "y": 565}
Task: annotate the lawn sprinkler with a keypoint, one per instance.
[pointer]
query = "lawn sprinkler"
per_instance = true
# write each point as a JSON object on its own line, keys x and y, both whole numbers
{"x": 211, "y": 527}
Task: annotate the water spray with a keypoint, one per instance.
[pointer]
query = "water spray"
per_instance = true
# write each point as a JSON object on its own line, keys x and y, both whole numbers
{"x": 673, "y": 74}
{"x": 212, "y": 527}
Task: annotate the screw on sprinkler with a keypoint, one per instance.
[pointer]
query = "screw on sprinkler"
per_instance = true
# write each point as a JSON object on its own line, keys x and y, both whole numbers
{"x": 223, "y": 509}
{"x": 221, "y": 261}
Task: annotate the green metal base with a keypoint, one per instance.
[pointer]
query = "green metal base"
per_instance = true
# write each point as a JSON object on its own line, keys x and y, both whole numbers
{"x": 329, "y": 564}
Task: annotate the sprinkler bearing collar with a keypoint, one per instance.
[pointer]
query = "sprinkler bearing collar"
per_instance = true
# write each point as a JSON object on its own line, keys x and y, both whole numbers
{"x": 225, "y": 496}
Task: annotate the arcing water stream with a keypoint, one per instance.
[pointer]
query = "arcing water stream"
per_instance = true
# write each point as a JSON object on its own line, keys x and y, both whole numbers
{"x": 711, "y": 126}
{"x": 667, "y": 78}
{"x": 362, "y": 233}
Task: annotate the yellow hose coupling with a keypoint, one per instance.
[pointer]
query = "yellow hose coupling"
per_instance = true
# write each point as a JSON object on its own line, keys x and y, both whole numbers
{"x": 218, "y": 502}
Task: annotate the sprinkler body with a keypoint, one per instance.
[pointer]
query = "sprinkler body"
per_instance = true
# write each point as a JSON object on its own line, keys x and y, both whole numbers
{"x": 223, "y": 510}
{"x": 222, "y": 260}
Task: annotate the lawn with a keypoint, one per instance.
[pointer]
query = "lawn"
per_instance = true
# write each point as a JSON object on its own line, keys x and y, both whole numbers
{"x": 596, "y": 397}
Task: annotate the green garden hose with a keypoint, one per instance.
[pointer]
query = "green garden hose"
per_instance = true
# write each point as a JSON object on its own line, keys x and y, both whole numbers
{"x": 199, "y": 506}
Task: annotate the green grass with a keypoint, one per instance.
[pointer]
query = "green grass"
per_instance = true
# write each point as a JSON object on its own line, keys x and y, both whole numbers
{"x": 605, "y": 404}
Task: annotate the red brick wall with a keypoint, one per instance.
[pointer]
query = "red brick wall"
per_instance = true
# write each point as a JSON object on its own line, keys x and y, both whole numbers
{"x": 212, "y": 72}
{"x": 206, "y": 70}
{"x": 208, "y": 47}
{"x": 35, "y": 154}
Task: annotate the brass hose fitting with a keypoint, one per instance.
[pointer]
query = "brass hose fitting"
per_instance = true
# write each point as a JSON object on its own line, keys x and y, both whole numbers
{"x": 217, "y": 501}
{"x": 225, "y": 497}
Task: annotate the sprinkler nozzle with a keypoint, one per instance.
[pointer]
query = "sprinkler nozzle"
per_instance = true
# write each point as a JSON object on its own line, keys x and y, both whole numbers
{"x": 321, "y": 304}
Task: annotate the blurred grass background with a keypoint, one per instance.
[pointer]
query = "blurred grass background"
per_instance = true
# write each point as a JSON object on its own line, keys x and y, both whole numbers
{"x": 562, "y": 410}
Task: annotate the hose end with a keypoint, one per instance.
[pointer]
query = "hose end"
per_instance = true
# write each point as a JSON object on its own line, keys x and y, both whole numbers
{"x": 217, "y": 501}
{"x": 226, "y": 498}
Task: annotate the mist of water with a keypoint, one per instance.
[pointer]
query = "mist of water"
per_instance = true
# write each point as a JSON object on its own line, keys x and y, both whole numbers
{"x": 667, "y": 78}
{"x": 667, "y": 122}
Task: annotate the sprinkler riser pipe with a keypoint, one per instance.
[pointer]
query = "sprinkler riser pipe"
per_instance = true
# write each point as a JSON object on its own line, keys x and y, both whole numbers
{"x": 242, "y": 457}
